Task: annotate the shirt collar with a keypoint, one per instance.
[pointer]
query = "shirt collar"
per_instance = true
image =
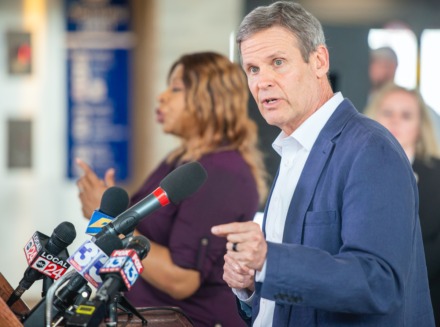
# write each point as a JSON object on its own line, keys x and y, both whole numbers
{"x": 307, "y": 133}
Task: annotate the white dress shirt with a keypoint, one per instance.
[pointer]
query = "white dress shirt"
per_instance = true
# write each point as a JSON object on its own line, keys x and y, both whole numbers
{"x": 294, "y": 150}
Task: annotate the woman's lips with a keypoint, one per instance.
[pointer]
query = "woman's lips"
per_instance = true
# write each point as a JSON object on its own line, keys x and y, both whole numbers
{"x": 159, "y": 116}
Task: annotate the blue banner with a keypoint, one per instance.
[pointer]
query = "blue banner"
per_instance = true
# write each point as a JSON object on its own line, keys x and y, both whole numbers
{"x": 99, "y": 49}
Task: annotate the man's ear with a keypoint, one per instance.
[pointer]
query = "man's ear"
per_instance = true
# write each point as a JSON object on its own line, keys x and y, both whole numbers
{"x": 321, "y": 61}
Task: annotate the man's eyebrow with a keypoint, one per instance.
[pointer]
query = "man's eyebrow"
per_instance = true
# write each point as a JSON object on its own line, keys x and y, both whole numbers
{"x": 268, "y": 57}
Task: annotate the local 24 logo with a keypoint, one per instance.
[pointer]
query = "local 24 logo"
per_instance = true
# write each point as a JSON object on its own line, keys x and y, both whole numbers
{"x": 40, "y": 260}
{"x": 50, "y": 265}
{"x": 32, "y": 247}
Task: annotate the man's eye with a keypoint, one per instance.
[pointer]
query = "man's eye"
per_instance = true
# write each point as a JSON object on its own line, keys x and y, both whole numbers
{"x": 278, "y": 62}
{"x": 253, "y": 70}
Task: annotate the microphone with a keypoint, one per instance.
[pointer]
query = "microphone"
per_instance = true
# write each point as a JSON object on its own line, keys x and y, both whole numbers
{"x": 181, "y": 183}
{"x": 119, "y": 273}
{"x": 91, "y": 262}
{"x": 123, "y": 268}
{"x": 41, "y": 254}
{"x": 114, "y": 201}
{"x": 89, "y": 258}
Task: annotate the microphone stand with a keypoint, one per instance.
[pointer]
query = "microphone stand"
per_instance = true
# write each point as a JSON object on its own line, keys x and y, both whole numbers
{"x": 128, "y": 308}
{"x": 121, "y": 302}
{"x": 47, "y": 283}
{"x": 104, "y": 310}
{"x": 111, "y": 318}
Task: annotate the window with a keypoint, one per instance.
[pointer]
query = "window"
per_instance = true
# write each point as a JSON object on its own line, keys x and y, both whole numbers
{"x": 404, "y": 42}
{"x": 429, "y": 68}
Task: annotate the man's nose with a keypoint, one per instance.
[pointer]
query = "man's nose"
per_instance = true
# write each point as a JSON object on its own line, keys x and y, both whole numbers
{"x": 266, "y": 79}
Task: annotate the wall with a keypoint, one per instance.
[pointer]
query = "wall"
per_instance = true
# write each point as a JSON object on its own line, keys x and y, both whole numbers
{"x": 37, "y": 199}
{"x": 41, "y": 198}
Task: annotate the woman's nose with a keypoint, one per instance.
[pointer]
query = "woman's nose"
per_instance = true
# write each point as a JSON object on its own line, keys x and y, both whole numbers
{"x": 161, "y": 97}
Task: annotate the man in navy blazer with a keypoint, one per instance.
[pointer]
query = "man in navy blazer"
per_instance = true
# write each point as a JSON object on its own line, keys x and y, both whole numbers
{"x": 341, "y": 242}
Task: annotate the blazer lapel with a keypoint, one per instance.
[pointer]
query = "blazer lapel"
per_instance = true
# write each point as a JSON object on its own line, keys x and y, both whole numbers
{"x": 318, "y": 157}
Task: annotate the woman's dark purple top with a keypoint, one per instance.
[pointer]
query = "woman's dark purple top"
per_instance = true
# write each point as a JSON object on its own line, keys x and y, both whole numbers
{"x": 228, "y": 195}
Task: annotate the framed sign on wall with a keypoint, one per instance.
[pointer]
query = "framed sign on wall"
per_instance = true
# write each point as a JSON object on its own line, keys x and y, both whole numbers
{"x": 19, "y": 55}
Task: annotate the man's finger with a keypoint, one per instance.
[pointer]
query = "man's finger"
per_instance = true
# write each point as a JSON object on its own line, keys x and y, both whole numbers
{"x": 233, "y": 228}
{"x": 235, "y": 265}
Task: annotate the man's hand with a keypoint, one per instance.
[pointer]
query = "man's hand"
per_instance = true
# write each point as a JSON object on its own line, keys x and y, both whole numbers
{"x": 236, "y": 276}
{"x": 91, "y": 188}
{"x": 246, "y": 244}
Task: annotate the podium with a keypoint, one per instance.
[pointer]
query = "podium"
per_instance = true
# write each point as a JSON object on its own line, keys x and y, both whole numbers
{"x": 7, "y": 317}
{"x": 156, "y": 316}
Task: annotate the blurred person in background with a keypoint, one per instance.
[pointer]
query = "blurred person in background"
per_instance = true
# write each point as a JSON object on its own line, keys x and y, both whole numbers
{"x": 382, "y": 71}
{"x": 382, "y": 68}
{"x": 205, "y": 105}
{"x": 404, "y": 113}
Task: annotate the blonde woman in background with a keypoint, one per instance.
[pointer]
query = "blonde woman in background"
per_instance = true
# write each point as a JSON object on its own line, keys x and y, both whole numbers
{"x": 205, "y": 105}
{"x": 404, "y": 113}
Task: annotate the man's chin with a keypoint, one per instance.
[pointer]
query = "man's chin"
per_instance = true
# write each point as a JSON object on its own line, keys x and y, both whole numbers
{"x": 271, "y": 121}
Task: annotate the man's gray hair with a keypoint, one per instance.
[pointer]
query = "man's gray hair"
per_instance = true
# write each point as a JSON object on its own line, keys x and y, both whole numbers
{"x": 289, "y": 15}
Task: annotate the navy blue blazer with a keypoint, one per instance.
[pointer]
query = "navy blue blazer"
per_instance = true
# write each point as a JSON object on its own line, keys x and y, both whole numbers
{"x": 352, "y": 252}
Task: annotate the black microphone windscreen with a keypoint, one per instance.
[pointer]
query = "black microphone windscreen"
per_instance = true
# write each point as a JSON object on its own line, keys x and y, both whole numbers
{"x": 108, "y": 243}
{"x": 141, "y": 244}
{"x": 63, "y": 235}
{"x": 114, "y": 201}
{"x": 184, "y": 181}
